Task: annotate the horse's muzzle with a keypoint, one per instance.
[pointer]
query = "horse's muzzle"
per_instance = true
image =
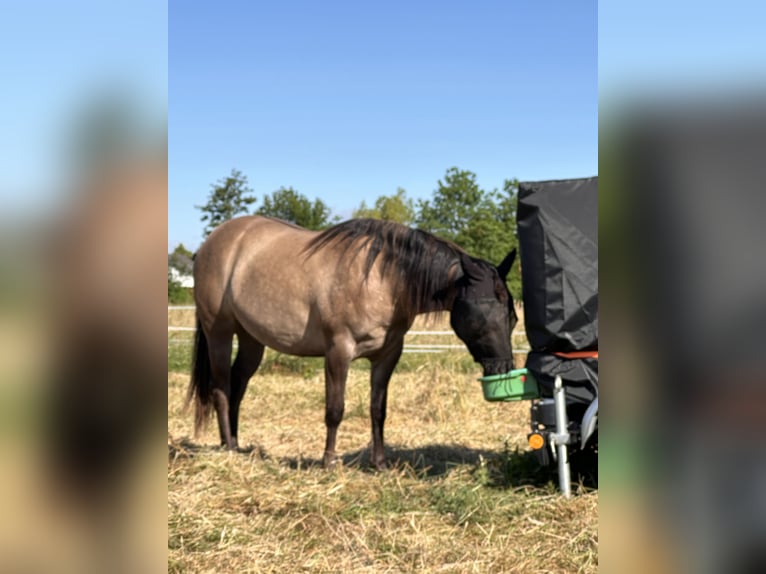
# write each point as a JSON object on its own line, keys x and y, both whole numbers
{"x": 496, "y": 366}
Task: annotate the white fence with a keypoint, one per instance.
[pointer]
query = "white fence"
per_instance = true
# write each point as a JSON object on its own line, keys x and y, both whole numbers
{"x": 408, "y": 347}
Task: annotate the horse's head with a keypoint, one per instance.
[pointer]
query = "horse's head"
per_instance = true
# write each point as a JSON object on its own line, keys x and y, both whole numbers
{"x": 482, "y": 313}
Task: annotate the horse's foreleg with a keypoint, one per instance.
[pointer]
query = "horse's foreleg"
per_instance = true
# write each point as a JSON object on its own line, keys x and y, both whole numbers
{"x": 336, "y": 371}
{"x": 381, "y": 374}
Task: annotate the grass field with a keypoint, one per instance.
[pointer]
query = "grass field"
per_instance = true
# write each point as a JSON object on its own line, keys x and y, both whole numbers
{"x": 463, "y": 494}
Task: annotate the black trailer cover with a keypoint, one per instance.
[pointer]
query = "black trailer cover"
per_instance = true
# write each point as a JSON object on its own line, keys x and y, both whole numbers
{"x": 558, "y": 240}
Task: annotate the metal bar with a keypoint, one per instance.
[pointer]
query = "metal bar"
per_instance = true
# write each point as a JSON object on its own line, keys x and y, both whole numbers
{"x": 562, "y": 437}
{"x": 407, "y": 348}
{"x": 431, "y": 333}
{"x": 435, "y": 346}
{"x": 170, "y": 328}
{"x": 515, "y": 333}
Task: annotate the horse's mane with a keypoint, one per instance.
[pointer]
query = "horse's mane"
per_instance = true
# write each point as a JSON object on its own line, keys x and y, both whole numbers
{"x": 419, "y": 263}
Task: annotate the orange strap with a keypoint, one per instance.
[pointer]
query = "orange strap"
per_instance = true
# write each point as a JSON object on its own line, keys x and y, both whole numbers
{"x": 578, "y": 355}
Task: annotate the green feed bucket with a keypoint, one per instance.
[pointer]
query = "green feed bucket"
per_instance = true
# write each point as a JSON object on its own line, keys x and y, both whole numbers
{"x": 516, "y": 385}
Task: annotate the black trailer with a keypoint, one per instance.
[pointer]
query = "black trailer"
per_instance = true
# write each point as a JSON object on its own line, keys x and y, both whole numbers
{"x": 558, "y": 241}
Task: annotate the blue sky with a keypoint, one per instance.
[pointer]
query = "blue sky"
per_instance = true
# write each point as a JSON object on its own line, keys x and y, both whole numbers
{"x": 57, "y": 60}
{"x": 346, "y": 101}
{"x": 656, "y": 50}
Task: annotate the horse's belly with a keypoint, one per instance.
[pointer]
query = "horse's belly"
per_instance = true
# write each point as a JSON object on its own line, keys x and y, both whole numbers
{"x": 300, "y": 348}
{"x": 286, "y": 333}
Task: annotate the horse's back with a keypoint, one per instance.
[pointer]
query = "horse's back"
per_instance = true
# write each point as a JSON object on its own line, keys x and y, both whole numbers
{"x": 233, "y": 248}
{"x": 264, "y": 276}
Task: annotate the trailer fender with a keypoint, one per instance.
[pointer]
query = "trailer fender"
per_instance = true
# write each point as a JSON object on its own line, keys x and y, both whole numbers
{"x": 589, "y": 423}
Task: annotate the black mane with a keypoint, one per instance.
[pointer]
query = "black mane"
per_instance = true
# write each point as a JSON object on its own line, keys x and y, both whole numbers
{"x": 420, "y": 262}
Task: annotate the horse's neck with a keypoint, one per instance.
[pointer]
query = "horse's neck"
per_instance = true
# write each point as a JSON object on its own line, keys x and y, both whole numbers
{"x": 445, "y": 298}
{"x": 425, "y": 278}
{"x": 442, "y": 295}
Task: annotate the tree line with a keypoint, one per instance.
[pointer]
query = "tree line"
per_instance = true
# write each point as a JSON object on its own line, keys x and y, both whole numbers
{"x": 483, "y": 222}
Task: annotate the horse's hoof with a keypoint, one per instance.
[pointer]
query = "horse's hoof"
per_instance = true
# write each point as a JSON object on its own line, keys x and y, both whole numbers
{"x": 330, "y": 461}
{"x": 381, "y": 465}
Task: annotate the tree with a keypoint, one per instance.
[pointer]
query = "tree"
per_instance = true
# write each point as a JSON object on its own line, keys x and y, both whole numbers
{"x": 289, "y": 205}
{"x": 483, "y": 223}
{"x": 396, "y": 207}
{"x": 454, "y": 204}
{"x": 180, "y": 261}
{"x": 228, "y": 198}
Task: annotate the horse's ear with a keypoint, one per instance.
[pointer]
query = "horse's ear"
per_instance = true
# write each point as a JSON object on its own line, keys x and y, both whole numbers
{"x": 455, "y": 271}
{"x": 470, "y": 267}
{"x": 505, "y": 267}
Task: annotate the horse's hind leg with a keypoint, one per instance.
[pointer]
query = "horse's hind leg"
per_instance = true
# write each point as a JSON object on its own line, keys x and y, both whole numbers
{"x": 219, "y": 349}
{"x": 249, "y": 356}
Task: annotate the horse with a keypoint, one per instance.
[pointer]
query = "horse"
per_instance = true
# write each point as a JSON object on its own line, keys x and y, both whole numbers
{"x": 351, "y": 291}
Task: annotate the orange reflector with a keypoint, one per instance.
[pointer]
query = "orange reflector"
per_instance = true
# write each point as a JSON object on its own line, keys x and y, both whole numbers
{"x": 536, "y": 441}
{"x": 578, "y": 355}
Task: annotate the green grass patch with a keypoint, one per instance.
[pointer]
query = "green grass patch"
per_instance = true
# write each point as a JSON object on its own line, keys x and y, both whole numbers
{"x": 180, "y": 357}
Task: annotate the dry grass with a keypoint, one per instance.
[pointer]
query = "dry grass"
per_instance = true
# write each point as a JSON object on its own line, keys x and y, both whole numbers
{"x": 463, "y": 496}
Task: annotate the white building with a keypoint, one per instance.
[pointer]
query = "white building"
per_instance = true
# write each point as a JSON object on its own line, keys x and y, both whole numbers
{"x": 184, "y": 280}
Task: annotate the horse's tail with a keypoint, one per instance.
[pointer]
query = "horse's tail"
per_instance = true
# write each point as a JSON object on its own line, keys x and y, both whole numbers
{"x": 200, "y": 387}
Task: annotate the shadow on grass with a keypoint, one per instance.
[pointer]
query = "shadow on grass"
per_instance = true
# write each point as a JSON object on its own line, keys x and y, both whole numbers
{"x": 490, "y": 468}
{"x": 427, "y": 461}
{"x": 184, "y": 448}
{"x": 498, "y": 469}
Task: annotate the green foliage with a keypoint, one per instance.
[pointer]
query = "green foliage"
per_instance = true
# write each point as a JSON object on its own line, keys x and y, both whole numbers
{"x": 179, "y": 295}
{"x": 289, "y": 205}
{"x": 397, "y": 207}
{"x": 228, "y": 198}
{"x": 181, "y": 259}
{"x": 483, "y": 223}
{"x": 274, "y": 363}
{"x": 455, "y": 203}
